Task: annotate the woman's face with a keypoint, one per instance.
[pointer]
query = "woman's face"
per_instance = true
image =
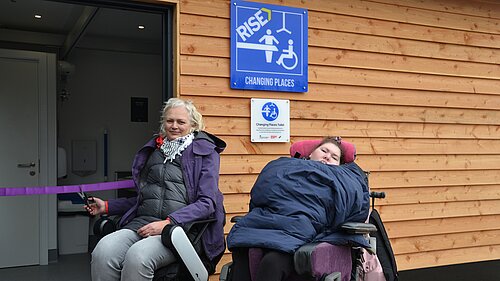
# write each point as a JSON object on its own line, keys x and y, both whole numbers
{"x": 328, "y": 153}
{"x": 177, "y": 123}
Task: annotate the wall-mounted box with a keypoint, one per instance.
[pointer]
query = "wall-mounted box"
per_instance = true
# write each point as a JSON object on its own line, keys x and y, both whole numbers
{"x": 84, "y": 157}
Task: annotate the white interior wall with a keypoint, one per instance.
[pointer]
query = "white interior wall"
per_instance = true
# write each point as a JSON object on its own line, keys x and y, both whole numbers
{"x": 99, "y": 99}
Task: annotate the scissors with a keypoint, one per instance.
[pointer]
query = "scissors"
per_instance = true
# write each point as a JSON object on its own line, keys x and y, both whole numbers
{"x": 85, "y": 198}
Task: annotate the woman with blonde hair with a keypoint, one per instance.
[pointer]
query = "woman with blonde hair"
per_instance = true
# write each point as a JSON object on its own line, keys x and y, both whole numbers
{"x": 176, "y": 175}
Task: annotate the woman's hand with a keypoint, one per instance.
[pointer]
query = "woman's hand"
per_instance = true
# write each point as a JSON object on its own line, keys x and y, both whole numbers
{"x": 153, "y": 228}
{"x": 96, "y": 208}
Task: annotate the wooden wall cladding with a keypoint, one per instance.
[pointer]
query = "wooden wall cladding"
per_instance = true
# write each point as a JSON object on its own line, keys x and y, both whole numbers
{"x": 415, "y": 85}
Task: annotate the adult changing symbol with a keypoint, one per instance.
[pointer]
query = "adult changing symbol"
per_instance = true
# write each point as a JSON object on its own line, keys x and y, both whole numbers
{"x": 270, "y": 111}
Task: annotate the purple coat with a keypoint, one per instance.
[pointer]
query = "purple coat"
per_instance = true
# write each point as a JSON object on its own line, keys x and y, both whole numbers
{"x": 200, "y": 168}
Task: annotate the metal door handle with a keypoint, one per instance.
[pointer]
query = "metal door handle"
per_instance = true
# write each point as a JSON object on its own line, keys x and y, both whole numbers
{"x": 26, "y": 165}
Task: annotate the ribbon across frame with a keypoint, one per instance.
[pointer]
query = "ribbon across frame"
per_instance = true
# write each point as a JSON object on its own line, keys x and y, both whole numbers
{"x": 38, "y": 190}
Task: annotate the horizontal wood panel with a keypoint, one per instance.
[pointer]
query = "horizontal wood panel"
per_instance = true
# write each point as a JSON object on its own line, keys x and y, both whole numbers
{"x": 230, "y": 184}
{"x": 431, "y": 194}
{"x": 396, "y": 196}
{"x": 433, "y": 178}
{"x": 422, "y": 228}
{"x": 215, "y": 86}
{"x": 407, "y": 47}
{"x": 219, "y": 27}
{"x": 253, "y": 164}
{"x": 219, "y": 67}
{"x": 370, "y": 26}
{"x": 217, "y": 47}
{"x": 410, "y": 212}
{"x": 388, "y": 180}
{"x": 462, "y": 7}
{"x": 445, "y": 241}
{"x": 243, "y": 145}
{"x": 238, "y": 107}
{"x": 363, "y": 9}
{"x": 240, "y": 126}
{"x": 447, "y": 257}
{"x": 236, "y": 203}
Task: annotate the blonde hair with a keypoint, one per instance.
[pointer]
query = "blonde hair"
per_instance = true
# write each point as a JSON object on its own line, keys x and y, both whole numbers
{"x": 195, "y": 116}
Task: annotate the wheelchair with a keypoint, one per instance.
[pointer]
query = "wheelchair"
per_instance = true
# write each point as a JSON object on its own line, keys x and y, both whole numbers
{"x": 185, "y": 242}
{"x": 321, "y": 261}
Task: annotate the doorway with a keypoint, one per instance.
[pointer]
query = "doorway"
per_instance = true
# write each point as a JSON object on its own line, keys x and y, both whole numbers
{"x": 105, "y": 61}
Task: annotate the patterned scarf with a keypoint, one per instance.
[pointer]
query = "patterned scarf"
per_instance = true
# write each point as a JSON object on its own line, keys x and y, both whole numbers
{"x": 175, "y": 147}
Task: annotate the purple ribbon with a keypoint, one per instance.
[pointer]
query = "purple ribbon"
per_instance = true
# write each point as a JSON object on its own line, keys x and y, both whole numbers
{"x": 20, "y": 191}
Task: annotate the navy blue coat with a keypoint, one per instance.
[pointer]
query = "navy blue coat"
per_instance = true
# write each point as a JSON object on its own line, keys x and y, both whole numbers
{"x": 296, "y": 201}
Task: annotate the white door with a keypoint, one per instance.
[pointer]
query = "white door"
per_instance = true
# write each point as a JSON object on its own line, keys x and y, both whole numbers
{"x": 19, "y": 160}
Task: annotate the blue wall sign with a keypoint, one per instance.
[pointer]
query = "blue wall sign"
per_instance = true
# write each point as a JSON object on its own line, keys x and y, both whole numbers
{"x": 268, "y": 47}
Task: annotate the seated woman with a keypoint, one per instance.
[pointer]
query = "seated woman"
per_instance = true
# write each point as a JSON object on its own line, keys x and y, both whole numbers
{"x": 293, "y": 202}
{"x": 176, "y": 176}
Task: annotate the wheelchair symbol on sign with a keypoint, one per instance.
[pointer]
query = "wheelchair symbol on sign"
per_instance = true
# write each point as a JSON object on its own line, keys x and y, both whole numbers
{"x": 288, "y": 54}
{"x": 270, "y": 111}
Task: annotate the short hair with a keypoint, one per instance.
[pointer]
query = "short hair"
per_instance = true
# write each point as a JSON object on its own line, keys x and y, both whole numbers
{"x": 195, "y": 116}
{"x": 336, "y": 141}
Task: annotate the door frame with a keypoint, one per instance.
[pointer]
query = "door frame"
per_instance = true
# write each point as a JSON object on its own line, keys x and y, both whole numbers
{"x": 47, "y": 145}
{"x": 170, "y": 11}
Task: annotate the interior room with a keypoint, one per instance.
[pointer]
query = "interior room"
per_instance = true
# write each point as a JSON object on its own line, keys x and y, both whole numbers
{"x": 111, "y": 77}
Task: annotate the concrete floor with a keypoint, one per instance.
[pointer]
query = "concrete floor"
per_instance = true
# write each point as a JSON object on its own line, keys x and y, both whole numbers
{"x": 67, "y": 268}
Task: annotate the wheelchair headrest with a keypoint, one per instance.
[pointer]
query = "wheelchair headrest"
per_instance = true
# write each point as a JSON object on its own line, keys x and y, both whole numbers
{"x": 304, "y": 149}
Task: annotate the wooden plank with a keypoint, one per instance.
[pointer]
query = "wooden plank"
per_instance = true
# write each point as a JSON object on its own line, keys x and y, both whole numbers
{"x": 319, "y": 128}
{"x": 433, "y": 178}
{"x": 219, "y": 67}
{"x": 214, "y": 86}
{"x": 363, "y": 9}
{"x": 463, "y": 7}
{"x": 424, "y": 146}
{"x": 398, "y": 13}
{"x": 370, "y": 26}
{"x": 378, "y": 78}
{"x": 447, "y": 257}
{"x": 244, "y": 164}
{"x": 421, "y": 211}
{"x": 432, "y": 194}
{"x": 407, "y": 47}
{"x": 420, "y": 228}
{"x": 219, "y": 27}
{"x": 239, "y": 107}
{"x": 236, "y": 203}
{"x": 205, "y": 25}
{"x": 230, "y": 184}
{"x": 252, "y": 164}
{"x": 217, "y": 47}
{"x": 445, "y": 241}
{"x": 243, "y": 145}
{"x": 401, "y": 63}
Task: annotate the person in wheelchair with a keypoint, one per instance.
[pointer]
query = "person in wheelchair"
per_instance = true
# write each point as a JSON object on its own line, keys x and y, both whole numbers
{"x": 176, "y": 175}
{"x": 294, "y": 202}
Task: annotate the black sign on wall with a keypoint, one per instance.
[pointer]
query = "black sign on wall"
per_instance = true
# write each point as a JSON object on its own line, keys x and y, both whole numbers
{"x": 138, "y": 109}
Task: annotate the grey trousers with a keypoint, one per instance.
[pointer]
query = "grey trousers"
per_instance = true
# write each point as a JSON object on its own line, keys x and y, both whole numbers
{"x": 125, "y": 255}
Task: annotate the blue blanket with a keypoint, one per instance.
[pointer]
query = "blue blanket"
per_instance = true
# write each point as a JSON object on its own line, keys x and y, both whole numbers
{"x": 296, "y": 201}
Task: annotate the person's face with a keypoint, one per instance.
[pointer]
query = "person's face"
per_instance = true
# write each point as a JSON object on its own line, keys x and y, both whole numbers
{"x": 177, "y": 123}
{"x": 327, "y": 153}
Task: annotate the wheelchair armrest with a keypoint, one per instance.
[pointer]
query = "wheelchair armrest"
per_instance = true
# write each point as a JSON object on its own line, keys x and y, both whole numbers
{"x": 174, "y": 238}
{"x": 225, "y": 271}
{"x": 358, "y": 228}
{"x": 190, "y": 225}
{"x": 105, "y": 225}
{"x": 321, "y": 259}
{"x": 235, "y": 219}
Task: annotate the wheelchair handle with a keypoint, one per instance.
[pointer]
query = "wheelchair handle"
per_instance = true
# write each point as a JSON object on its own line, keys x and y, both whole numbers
{"x": 374, "y": 194}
